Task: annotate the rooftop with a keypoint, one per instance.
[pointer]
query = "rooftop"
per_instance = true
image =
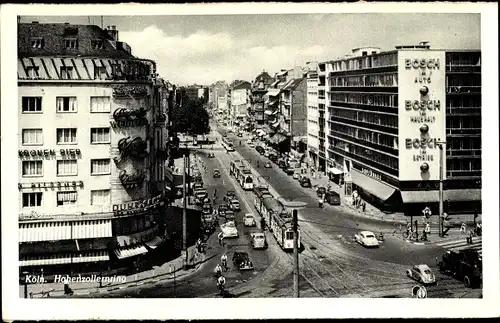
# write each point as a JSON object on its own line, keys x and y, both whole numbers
{"x": 64, "y": 39}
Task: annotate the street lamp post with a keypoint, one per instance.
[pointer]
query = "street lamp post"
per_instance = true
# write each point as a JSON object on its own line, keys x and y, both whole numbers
{"x": 441, "y": 193}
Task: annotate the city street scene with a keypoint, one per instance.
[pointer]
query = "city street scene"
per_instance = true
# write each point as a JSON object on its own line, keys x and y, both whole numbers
{"x": 250, "y": 156}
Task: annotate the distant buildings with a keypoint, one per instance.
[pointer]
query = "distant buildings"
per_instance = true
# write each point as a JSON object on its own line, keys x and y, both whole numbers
{"x": 92, "y": 149}
{"x": 259, "y": 88}
{"x": 240, "y": 103}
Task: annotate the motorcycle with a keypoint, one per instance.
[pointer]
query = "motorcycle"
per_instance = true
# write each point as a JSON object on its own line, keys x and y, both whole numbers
{"x": 224, "y": 266}
{"x": 381, "y": 237}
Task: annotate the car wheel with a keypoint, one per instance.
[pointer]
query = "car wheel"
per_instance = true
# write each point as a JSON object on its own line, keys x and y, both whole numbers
{"x": 408, "y": 273}
{"x": 467, "y": 281}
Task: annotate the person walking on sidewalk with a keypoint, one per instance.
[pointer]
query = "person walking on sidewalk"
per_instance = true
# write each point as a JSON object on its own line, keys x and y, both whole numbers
{"x": 262, "y": 224}
{"x": 221, "y": 238}
{"x": 363, "y": 206}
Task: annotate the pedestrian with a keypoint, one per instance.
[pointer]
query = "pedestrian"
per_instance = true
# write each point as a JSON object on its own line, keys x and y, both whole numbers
{"x": 363, "y": 206}
{"x": 428, "y": 228}
{"x": 263, "y": 224}
{"x": 469, "y": 238}
{"x": 221, "y": 239}
{"x": 198, "y": 245}
{"x": 424, "y": 235}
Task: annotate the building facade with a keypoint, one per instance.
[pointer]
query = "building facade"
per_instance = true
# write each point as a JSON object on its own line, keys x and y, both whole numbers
{"x": 240, "y": 103}
{"x": 91, "y": 147}
{"x": 390, "y": 113}
{"x": 259, "y": 89}
{"x": 312, "y": 113}
{"x": 293, "y": 111}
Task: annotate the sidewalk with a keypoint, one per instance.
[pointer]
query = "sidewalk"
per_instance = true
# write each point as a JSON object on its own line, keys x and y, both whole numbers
{"x": 165, "y": 272}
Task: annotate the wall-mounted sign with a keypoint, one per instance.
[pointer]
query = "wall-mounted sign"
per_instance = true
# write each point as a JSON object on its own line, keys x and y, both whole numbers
{"x": 129, "y": 118}
{"x": 132, "y": 70}
{"x": 127, "y": 90}
{"x": 422, "y": 122}
{"x": 370, "y": 173}
{"x": 33, "y": 215}
{"x": 39, "y": 153}
{"x": 131, "y": 180}
{"x": 135, "y": 148}
{"x": 56, "y": 185}
{"x": 139, "y": 205}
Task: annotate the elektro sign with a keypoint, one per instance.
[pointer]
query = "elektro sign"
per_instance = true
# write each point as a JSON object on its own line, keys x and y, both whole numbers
{"x": 422, "y": 113}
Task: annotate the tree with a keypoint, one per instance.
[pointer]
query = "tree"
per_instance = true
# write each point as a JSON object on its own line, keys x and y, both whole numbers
{"x": 190, "y": 117}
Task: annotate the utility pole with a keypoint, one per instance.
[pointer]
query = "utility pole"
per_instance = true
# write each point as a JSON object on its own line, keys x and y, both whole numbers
{"x": 441, "y": 193}
{"x": 295, "y": 254}
{"x": 184, "y": 219}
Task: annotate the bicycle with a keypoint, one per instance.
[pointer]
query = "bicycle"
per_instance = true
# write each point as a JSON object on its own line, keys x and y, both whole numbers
{"x": 412, "y": 234}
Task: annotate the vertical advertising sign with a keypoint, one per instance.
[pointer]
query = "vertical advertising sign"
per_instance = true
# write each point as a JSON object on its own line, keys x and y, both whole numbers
{"x": 422, "y": 114}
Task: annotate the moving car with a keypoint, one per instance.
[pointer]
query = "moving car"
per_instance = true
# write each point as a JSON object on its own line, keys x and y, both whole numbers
{"x": 305, "y": 182}
{"x": 230, "y": 195}
{"x": 267, "y": 165}
{"x": 366, "y": 238}
{"x": 230, "y": 216}
{"x": 463, "y": 264}
{"x": 211, "y": 155}
{"x": 422, "y": 274}
{"x": 207, "y": 209}
{"x": 273, "y": 157}
{"x": 222, "y": 210}
{"x": 296, "y": 176}
{"x": 249, "y": 220}
{"x": 289, "y": 170}
{"x": 235, "y": 205}
{"x": 332, "y": 197}
{"x": 216, "y": 173}
{"x": 201, "y": 195}
{"x": 229, "y": 230}
{"x": 258, "y": 240}
{"x": 242, "y": 260}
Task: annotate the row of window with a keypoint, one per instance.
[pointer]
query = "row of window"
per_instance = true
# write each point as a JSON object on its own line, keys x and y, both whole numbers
{"x": 464, "y": 143}
{"x": 97, "y": 197}
{"x": 366, "y": 80}
{"x": 69, "y": 43}
{"x": 379, "y": 158}
{"x": 463, "y": 101}
{"x": 66, "y": 167}
{"x": 463, "y": 122}
{"x": 461, "y": 58}
{"x": 366, "y": 135}
{"x": 65, "y": 136}
{"x": 464, "y": 165}
{"x": 386, "y": 120}
{"x": 66, "y": 104}
{"x": 68, "y": 72}
{"x": 365, "y": 62}
{"x": 459, "y": 80}
{"x": 385, "y": 100}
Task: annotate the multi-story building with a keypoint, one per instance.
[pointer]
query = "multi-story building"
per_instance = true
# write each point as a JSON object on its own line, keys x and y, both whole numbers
{"x": 322, "y": 155}
{"x": 240, "y": 103}
{"x": 389, "y": 113}
{"x": 259, "y": 89}
{"x": 91, "y": 147}
{"x": 312, "y": 113}
{"x": 293, "y": 111}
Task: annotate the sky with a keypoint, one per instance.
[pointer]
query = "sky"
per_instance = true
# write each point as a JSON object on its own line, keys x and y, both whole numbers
{"x": 204, "y": 49}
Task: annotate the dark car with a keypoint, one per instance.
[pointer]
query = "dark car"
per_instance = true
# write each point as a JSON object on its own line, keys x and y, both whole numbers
{"x": 273, "y": 157}
{"x": 216, "y": 173}
{"x": 320, "y": 191}
{"x": 230, "y": 195}
{"x": 305, "y": 182}
{"x": 222, "y": 210}
{"x": 282, "y": 163}
{"x": 242, "y": 260}
{"x": 211, "y": 155}
{"x": 289, "y": 170}
{"x": 260, "y": 150}
{"x": 240, "y": 134}
{"x": 332, "y": 198}
{"x": 230, "y": 216}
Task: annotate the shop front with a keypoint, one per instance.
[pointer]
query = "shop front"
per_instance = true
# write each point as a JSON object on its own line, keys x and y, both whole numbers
{"x": 375, "y": 192}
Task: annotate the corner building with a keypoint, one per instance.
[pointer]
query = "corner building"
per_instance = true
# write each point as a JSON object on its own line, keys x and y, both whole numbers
{"x": 91, "y": 150}
{"x": 389, "y": 113}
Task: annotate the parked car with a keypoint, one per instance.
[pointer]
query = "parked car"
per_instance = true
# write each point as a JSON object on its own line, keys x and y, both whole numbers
{"x": 230, "y": 195}
{"x": 289, "y": 170}
{"x": 242, "y": 260}
{"x": 296, "y": 175}
{"x": 273, "y": 157}
{"x": 258, "y": 240}
{"x": 222, "y": 210}
{"x": 422, "y": 274}
{"x": 305, "y": 181}
{"x": 197, "y": 186}
{"x": 463, "y": 264}
{"x": 229, "y": 230}
{"x": 211, "y": 155}
{"x": 216, "y": 173}
{"x": 366, "y": 238}
{"x": 249, "y": 220}
{"x": 234, "y": 205}
{"x": 267, "y": 165}
{"x": 260, "y": 150}
{"x": 332, "y": 197}
{"x": 230, "y": 216}
{"x": 207, "y": 209}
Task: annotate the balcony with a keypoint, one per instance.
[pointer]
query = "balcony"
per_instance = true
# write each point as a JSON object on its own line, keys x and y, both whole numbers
{"x": 364, "y": 143}
{"x": 463, "y": 153}
{"x": 364, "y": 89}
{"x": 463, "y": 132}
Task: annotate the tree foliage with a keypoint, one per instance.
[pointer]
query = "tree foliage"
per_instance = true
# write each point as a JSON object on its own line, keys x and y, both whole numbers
{"x": 190, "y": 117}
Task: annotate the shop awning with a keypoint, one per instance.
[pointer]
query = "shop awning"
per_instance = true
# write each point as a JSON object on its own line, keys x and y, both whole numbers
{"x": 273, "y": 92}
{"x": 420, "y": 196}
{"x": 169, "y": 175}
{"x": 59, "y": 259}
{"x": 277, "y": 138}
{"x": 268, "y": 112}
{"x": 64, "y": 230}
{"x": 374, "y": 187}
{"x": 128, "y": 252}
{"x": 155, "y": 242}
{"x": 335, "y": 171}
{"x": 462, "y": 195}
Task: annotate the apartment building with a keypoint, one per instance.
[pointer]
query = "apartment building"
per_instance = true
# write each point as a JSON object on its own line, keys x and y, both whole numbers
{"x": 312, "y": 113}
{"x": 239, "y": 103}
{"x": 91, "y": 148}
{"x": 259, "y": 89}
{"x": 390, "y": 113}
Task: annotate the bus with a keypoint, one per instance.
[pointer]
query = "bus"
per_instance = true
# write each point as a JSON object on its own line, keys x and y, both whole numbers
{"x": 227, "y": 144}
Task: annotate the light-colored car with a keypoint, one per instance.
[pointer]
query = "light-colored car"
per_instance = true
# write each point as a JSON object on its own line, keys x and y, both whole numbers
{"x": 421, "y": 273}
{"x": 268, "y": 165}
{"x": 235, "y": 205}
{"x": 366, "y": 238}
{"x": 249, "y": 220}
{"x": 229, "y": 230}
{"x": 296, "y": 175}
{"x": 251, "y": 145}
{"x": 258, "y": 240}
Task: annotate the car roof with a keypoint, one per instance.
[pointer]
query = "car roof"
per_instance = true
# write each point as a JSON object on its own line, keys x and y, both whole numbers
{"x": 422, "y": 267}
{"x": 249, "y": 214}
{"x": 235, "y": 200}
{"x": 216, "y": 169}
{"x": 366, "y": 233}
